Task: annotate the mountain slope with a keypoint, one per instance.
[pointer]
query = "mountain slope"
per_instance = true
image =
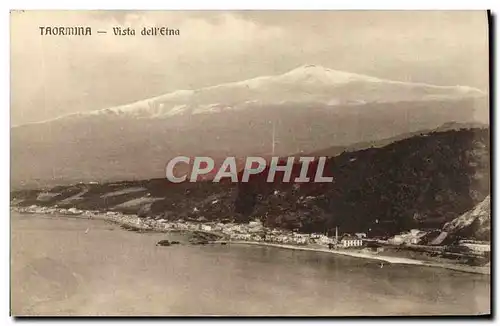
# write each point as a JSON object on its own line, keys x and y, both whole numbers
{"x": 424, "y": 181}
{"x": 336, "y": 150}
{"x": 474, "y": 224}
{"x": 312, "y": 108}
{"x": 306, "y": 84}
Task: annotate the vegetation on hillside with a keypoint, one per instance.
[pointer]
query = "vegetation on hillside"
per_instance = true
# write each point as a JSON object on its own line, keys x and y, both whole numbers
{"x": 420, "y": 182}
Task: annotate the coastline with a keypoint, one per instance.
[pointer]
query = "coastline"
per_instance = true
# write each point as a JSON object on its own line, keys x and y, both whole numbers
{"x": 389, "y": 259}
{"x": 127, "y": 224}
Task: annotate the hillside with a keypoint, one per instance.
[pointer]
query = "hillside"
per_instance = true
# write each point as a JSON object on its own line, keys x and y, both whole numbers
{"x": 336, "y": 150}
{"x": 423, "y": 182}
{"x": 475, "y": 224}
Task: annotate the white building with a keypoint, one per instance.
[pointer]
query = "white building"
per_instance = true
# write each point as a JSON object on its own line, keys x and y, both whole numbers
{"x": 256, "y": 223}
{"x": 350, "y": 241}
{"x": 414, "y": 240}
{"x": 206, "y": 228}
{"x": 255, "y": 226}
{"x": 396, "y": 240}
{"x": 324, "y": 240}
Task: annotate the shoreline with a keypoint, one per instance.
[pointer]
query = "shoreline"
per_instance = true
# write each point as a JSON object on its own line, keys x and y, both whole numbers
{"x": 131, "y": 226}
{"x": 389, "y": 259}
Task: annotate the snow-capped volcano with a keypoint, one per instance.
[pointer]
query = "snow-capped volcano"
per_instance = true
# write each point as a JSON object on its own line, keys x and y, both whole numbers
{"x": 319, "y": 74}
{"x": 305, "y": 84}
{"x": 311, "y": 107}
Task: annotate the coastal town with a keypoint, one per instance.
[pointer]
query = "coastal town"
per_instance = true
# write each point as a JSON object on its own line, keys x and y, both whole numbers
{"x": 256, "y": 232}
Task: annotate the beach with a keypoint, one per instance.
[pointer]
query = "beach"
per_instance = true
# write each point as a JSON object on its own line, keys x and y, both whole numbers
{"x": 379, "y": 257}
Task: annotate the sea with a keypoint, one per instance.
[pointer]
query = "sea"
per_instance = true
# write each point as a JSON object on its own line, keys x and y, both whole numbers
{"x": 78, "y": 267}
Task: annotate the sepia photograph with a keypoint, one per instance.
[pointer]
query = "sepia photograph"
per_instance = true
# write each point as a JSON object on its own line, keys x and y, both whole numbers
{"x": 250, "y": 163}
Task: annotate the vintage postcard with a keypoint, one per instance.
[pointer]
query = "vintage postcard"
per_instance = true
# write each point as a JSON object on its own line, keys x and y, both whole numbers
{"x": 250, "y": 163}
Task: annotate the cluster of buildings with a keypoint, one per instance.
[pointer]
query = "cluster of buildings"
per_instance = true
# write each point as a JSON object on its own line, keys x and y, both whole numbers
{"x": 478, "y": 247}
{"x": 253, "y": 231}
{"x": 35, "y": 209}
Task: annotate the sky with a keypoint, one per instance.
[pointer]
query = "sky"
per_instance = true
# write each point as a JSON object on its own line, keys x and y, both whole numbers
{"x": 57, "y": 75}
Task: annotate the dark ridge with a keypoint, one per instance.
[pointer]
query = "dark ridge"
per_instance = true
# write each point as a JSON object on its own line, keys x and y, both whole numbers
{"x": 420, "y": 182}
